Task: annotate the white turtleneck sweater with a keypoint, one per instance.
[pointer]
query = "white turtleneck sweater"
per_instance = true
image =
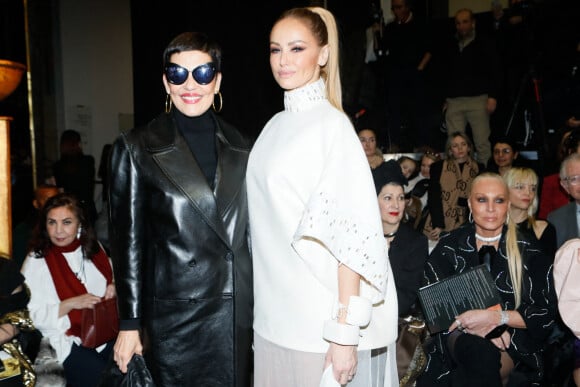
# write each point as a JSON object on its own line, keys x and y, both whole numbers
{"x": 312, "y": 205}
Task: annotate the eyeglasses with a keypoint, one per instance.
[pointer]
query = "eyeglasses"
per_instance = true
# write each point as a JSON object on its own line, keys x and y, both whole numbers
{"x": 505, "y": 151}
{"x": 572, "y": 180}
{"x": 177, "y": 75}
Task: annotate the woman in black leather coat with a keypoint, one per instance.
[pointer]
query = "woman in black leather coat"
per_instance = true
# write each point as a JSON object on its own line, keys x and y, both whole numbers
{"x": 178, "y": 224}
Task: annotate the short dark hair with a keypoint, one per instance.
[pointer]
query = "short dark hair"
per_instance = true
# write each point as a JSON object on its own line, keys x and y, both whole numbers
{"x": 70, "y": 143}
{"x": 194, "y": 41}
{"x": 505, "y": 140}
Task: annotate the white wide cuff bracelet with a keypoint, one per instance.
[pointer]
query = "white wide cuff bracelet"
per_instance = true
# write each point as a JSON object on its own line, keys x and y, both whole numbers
{"x": 358, "y": 312}
{"x": 342, "y": 334}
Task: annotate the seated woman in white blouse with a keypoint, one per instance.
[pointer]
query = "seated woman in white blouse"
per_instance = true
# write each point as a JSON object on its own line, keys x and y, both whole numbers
{"x": 67, "y": 271}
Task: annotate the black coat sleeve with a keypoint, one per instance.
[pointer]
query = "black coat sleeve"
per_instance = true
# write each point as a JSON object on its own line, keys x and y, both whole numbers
{"x": 434, "y": 200}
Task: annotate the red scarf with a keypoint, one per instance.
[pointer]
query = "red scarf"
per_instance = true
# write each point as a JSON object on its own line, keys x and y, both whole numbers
{"x": 67, "y": 284}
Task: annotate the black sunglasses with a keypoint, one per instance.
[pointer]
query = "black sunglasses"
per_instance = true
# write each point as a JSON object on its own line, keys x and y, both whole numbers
{"x": 202, "y": 74}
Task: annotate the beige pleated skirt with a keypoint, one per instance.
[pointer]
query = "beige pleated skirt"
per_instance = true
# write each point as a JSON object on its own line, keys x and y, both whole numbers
{"x": 276, "y": 366}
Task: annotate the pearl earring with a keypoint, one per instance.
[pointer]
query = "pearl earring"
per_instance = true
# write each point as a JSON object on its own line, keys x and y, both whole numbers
{"x": 80, "y": 229}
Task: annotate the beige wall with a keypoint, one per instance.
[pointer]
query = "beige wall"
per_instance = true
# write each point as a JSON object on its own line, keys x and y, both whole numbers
{"x": 97, "y": 79}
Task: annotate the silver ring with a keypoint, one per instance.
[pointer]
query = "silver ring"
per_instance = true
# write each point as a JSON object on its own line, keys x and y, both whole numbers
{"x": 458, "y": 323}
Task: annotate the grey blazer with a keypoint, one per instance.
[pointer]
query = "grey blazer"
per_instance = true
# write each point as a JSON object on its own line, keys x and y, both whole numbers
{"x": 564, "y": 220}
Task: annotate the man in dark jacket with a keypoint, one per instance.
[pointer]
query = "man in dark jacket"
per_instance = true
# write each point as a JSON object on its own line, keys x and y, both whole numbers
{"x": 407, "y": 48}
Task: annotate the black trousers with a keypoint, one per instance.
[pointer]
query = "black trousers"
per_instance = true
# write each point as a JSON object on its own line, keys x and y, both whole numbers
{"x": 477, "y": 361}
{"x": 468, "y": 361}
{"x": 83, "y": 366}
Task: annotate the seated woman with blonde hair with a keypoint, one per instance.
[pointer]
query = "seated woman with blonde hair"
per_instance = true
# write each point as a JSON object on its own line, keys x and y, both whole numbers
{"x": 449, "y": 186}
{"x": 523, "y": 187}
{"x": 484, "y": 347}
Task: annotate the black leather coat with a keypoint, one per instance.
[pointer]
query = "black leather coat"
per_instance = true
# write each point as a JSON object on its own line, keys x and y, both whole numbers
{"x": 180, "y": 254}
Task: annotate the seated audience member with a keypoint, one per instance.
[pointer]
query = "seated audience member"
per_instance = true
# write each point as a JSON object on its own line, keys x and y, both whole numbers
{"x": 522, "y": 183}
{"x": 408, "y": 166}
{"x": 407, "y": 247}
{"x": 419, "y": 186}
{"x": 67, "y": 271}
{"x": 523, "y": 187}
{"x": 449, "y": 187}
{"x": 408, "y": 250}
{"x": 23, "y": 230}
{"x": 465, "y": 355}
{"x": 15, "y": 321}
{"x": 412, "y": 205}
{"x": 554, "y": 195}
{"x": 566, "y": 274}
{"x": 504, "y": 155}
{"x": 368, "y": 139}
{"x": 566, "y": 219}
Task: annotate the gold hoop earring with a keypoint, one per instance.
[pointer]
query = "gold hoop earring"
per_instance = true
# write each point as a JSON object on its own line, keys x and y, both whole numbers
{"x": 221, "y": 102}
{"x": 168, "y": 104}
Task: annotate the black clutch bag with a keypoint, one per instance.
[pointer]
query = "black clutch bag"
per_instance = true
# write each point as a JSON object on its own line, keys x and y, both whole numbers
{"x": 137, "y": 375}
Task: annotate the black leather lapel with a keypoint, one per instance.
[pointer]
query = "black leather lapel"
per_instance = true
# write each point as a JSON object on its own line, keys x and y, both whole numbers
{"x": 231, "y": 163}
{"x": 179, "y": 165}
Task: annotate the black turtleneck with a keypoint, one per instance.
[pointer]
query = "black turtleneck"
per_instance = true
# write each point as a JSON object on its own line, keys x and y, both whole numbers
{"x": 199, "y": 134}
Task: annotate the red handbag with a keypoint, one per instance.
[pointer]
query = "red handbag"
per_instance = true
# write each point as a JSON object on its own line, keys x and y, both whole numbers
{"x": 100, "y": 324}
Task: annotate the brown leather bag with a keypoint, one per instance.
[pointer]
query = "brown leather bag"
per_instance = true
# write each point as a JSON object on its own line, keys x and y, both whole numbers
{"x": 411, "y": 358}
{"x": 100, "y": 324}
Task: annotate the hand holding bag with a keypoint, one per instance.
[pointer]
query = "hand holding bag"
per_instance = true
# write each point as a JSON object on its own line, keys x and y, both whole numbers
{"x": 137, "y": 375}
{"x": 100, "y": 324}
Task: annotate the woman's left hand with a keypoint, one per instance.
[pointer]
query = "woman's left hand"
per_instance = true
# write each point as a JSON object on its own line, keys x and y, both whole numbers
{"x": 502, "y": 342}
{"x": 343, "y": 359}
{"x": 110, "y": 292}
{"x": 476, "y": 322}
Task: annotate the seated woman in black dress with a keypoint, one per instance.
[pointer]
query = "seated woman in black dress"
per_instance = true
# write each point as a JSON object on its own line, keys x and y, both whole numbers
{"x": 408, "y": 248}
{"x": 523, "y": 186}
{"x": 463, "y": 355}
